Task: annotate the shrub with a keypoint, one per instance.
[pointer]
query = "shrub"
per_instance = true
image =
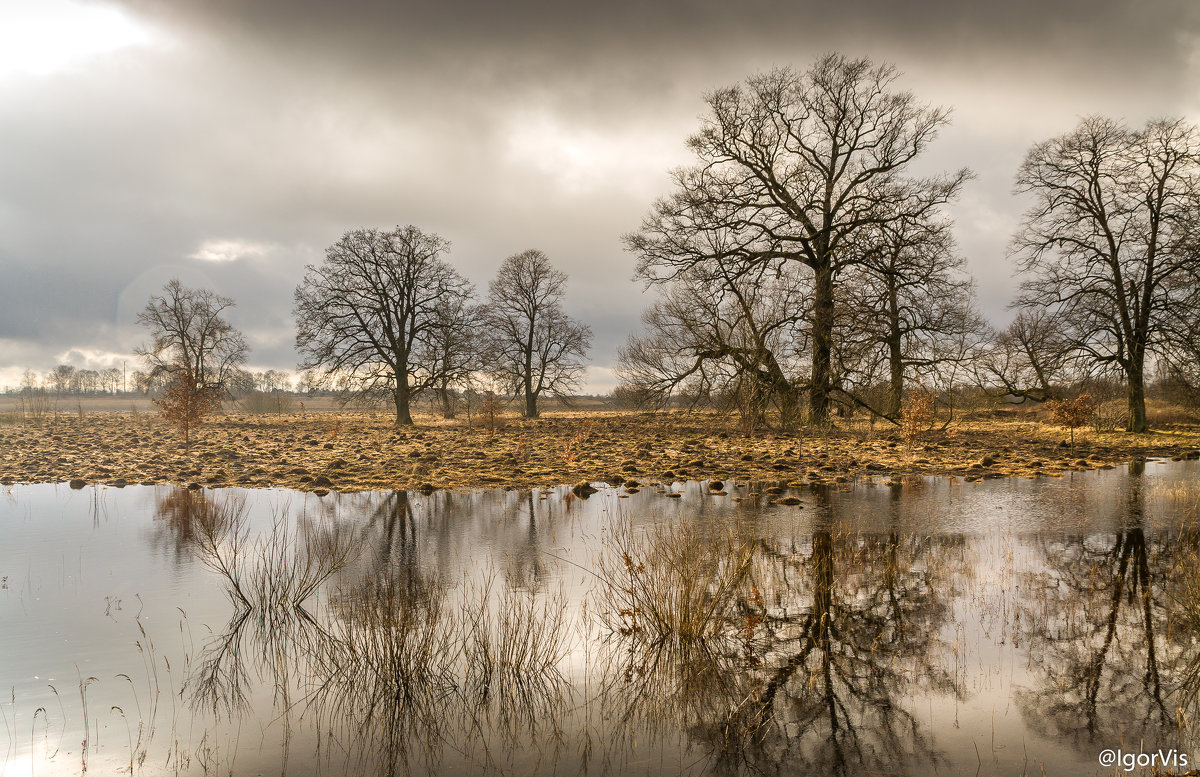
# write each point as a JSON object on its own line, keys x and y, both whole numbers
{"x": 916, "y": 415}
{"x": 185, "y": 403}
{"x": 1072, "y": 413}
{"x": 263, "y": 402}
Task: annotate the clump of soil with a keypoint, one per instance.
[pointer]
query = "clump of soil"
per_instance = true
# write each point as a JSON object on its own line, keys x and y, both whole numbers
{"x": 354, "y": 451}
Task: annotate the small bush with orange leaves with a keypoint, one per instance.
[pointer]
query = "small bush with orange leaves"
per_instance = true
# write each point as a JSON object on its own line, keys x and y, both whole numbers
{"x": 185, "y": 403}
{"x": 916, "y": 415}
{"x": 1072, "y": 413}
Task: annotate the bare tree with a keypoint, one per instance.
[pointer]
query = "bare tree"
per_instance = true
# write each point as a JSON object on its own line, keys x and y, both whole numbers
{"x": 531, "y": 345}
{"x": 189, "y": 332}
{"x": 186, "y": 401}
{"x": 1030, "y": 359}
{"x": 61, "y": 378}
{"x": 452, "y": 348}
{"x": 717, "y": 332}
{"x": 1110, "y": 245}
{"x": 793, "y": 166}
{"x": 911, "y": 299}
{"x": 366, "y": 315}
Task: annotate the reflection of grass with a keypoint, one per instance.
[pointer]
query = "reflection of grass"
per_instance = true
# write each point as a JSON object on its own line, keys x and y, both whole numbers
{"x": 272, "y": 572}
{"x": 1185, "y": 596}
{"x": 512, "y": 639}
{"x": 268, "y": 579}
{"x": 1179, "y": 500}
{"x": 673, "y": 582}
{"x": 403, "y": 673}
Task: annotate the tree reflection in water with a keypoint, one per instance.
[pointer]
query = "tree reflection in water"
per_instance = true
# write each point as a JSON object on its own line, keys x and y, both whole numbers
{"x": 730, "y": 646}
{"x": 808, "y": 670}
{"x": 401, "y": 667}
{"x": 1106, "y": 634}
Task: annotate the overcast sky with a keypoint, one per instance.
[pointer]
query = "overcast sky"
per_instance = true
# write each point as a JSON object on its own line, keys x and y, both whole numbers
{"x": 228, "y": 142}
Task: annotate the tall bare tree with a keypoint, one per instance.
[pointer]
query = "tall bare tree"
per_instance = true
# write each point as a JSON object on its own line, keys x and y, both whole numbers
{"x": 530, "y": 344}
{"x": 910, "y": 297}
{"x": 366, "y": 315}
{"x": 793, "y": 166}
{"x": 452, "y": 349}
{"x": 1110, "y": 245}
{"x": 189, "y": 332}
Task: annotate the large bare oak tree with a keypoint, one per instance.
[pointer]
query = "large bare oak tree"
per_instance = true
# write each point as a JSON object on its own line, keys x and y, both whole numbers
{"x": 1110, "y": 245}
{"x": 369, "y": 314}
{"x": 793, "y": 166}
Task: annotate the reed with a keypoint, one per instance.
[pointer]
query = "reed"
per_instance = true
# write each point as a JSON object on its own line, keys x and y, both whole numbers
{"x": 675, "y": 581}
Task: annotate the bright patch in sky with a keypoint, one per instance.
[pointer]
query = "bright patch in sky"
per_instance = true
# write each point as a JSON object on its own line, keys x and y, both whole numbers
{"x": 38, "y": 37}
{"x": 579, "y": 158}
{"x": 228, "y": 250}
{"x": 95, "y": 359}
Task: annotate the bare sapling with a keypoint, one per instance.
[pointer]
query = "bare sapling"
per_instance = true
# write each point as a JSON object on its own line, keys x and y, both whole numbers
{"x": 916, "y": 415}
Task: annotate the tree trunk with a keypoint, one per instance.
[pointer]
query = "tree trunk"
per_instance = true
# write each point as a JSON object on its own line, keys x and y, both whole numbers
{"x": 896, "y": 382}
{"x": 822, "y": 375}
{"x": 1137, "y": 401}
{"x": 400, "y": 397}
{"x": 447, "y": 402}
{"x": 530, "y": 396}
{"x": 789, "y": 405}
{"x": 895, "y": 356}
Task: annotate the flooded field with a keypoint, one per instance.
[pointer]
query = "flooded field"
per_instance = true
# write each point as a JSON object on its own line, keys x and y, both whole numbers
{"x": 1003, "y": 627}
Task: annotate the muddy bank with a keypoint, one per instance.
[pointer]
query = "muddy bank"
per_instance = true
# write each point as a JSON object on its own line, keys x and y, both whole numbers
{"x": 346, "y": 451}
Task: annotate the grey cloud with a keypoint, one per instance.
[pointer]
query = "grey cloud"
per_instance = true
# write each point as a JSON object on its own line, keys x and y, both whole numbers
{"x": 500, "y": 126}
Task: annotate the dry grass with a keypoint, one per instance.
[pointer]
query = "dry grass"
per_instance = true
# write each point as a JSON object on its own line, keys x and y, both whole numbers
{"x": 356, "y": 451}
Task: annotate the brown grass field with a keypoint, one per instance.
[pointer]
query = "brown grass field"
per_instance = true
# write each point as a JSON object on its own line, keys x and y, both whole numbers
{"x": 341, "y": 450}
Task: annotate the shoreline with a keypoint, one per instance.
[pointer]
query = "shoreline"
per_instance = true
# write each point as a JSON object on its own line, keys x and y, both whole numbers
{"x": 355, "y": 451}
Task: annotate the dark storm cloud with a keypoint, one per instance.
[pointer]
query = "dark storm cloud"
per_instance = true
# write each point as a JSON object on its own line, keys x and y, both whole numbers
{"x": 259, "y": 131}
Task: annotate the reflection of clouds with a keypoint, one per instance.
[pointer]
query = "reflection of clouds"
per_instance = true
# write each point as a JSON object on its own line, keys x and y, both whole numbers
{"x": 399, "y": 667}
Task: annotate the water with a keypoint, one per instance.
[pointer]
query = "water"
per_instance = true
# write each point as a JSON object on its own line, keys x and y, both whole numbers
{"x": 1004, "y": 627}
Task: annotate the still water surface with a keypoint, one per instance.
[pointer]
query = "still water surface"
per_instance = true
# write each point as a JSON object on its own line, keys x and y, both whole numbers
{"x": 1004, "y": 627}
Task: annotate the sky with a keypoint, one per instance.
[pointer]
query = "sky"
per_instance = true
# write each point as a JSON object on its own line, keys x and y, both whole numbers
{"x": 228, "y": 142}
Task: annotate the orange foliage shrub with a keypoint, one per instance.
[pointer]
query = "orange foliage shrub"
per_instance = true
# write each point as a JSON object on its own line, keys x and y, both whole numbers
{"x": 185, "y": 403}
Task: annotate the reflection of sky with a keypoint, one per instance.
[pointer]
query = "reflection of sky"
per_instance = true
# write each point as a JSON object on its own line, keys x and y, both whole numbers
{"x": 84, "y": 568}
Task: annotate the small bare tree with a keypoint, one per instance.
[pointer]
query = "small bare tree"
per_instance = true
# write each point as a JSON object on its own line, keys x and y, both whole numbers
{"x": 491, "y": 410}
{"x": 910, "y": 297}
{"x": 188, "y": 331}
{"x": 1072, "y": 413}
{"x": 1029, "y": 358}
{"x": 723, "y": 330}
{"x": 530, "y": 344}
{"x": 452, "y": 348}
{"x": 916, "y": 415}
